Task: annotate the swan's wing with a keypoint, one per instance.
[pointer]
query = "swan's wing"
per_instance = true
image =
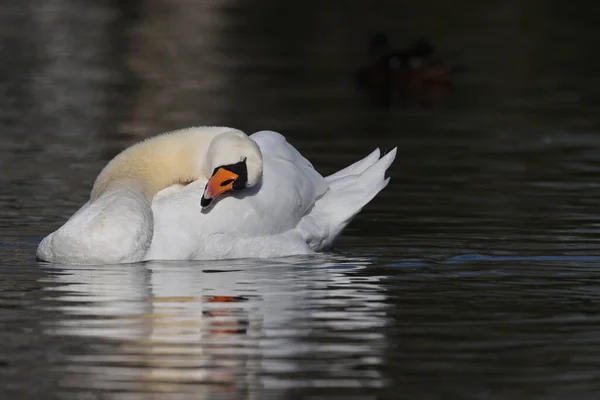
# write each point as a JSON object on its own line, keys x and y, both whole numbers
{"x": 293, "y": 179}
{"x": 273, "y": 144}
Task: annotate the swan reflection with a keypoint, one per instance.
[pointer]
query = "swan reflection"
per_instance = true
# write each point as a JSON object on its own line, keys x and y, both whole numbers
{"x": 240, "y": 324}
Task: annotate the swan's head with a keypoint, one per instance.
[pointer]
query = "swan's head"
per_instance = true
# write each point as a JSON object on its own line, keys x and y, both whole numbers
{"x": 234, "y": 162}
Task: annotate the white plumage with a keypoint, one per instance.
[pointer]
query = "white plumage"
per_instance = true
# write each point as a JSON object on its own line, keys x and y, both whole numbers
{"x": 147, "y": 213}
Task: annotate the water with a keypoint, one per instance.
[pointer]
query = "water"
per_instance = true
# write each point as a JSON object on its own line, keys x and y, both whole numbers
{"x": 472, "y": 276}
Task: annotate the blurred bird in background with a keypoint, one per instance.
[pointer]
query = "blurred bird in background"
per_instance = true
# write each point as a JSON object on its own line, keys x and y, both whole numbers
{"x": 414, "y": 74}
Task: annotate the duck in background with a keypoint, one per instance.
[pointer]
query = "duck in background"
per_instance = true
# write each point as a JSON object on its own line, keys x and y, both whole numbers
{"x": 415, "y": 73}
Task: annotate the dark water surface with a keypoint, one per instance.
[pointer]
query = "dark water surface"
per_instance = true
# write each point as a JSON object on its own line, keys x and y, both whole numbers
{"x": 474, "y": 275}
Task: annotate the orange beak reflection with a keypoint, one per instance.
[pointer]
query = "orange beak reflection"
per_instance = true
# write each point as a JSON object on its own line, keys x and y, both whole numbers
{"x": 221, "y": 182}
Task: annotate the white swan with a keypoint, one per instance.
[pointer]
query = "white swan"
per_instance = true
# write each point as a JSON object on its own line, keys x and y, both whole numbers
{"x": 213, "y": 192}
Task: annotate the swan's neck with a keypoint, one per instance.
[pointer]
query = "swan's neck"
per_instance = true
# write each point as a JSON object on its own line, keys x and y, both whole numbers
{"x": 159, "y": 162}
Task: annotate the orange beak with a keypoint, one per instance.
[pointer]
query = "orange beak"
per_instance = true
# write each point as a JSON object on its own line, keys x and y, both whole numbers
{"x": 221, "y": 182}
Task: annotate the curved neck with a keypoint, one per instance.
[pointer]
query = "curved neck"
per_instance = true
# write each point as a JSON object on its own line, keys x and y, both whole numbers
{"x": 159, "y": 162}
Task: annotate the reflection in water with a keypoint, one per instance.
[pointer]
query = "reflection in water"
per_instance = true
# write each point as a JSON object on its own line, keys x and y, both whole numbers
{"x": 238, "y": 324}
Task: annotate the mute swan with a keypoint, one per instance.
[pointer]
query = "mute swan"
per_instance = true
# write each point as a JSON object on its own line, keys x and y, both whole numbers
{"x": 209, "y": 193}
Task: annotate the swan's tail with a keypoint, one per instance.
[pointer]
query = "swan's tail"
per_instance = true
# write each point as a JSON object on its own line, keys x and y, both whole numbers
{"x": 349, "y": 191}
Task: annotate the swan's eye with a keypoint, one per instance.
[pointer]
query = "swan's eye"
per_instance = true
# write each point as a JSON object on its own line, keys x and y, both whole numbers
{"x": 226, "y": 182}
